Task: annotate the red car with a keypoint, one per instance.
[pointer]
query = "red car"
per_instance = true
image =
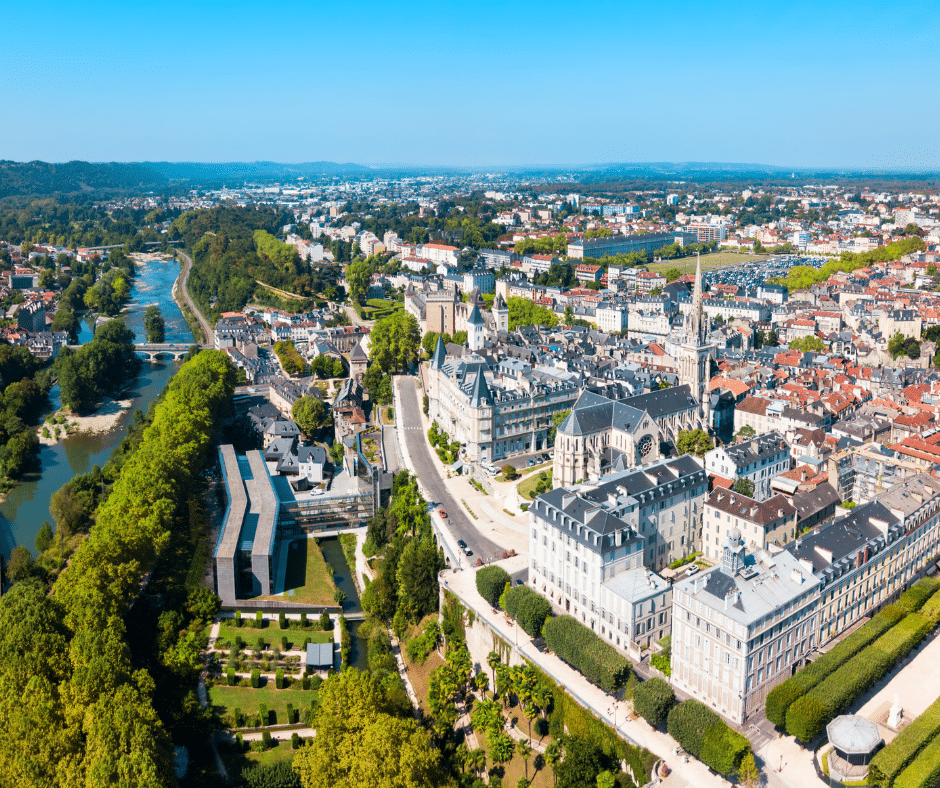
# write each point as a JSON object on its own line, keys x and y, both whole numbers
{"x": 443, "y": 514}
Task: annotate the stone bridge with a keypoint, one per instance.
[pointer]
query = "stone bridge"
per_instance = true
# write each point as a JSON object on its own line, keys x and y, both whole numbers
{"x": 154, "y": 351}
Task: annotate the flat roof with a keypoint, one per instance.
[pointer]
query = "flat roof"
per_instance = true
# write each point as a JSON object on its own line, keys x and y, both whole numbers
{"x": 320, "y": 654}
{"x": 263, "y": 503}
{"x": 237, "y": 504}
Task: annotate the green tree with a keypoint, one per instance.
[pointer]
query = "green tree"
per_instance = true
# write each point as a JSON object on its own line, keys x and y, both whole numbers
{"x": 358, "y": 279}
{"x": 772, "y": 340}
{"x": 395, "y": 341}
{"x": 569, "y": 315}
{"x": 310, "y": 414}
{"x": 606, "y": 779}
{"x": 583, "y": 761}
{"x": 553, "y": 755}
{"x": 672, "y": 274}
{"x": 694, "y": 442}
{"x": 44, "y": 537}
{"x": 744, "y": 487}
{"x": 501, "y": 748}
{"x": 362, "y": 740}
{"x": 747, "y": 431}
{"x": 524, "y": 749}
{"x": 154, "y": 325}
{"x": 652, "y": 700}
{"x": 809, "y": 344}
{"x": 748, "y": 773}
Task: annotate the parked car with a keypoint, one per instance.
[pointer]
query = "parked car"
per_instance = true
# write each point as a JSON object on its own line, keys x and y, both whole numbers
{"x": 443, "y": 514}
{"x": 692, "y": 569}
{"x": 462, "y": 544}
{"x": 467, "y": 552}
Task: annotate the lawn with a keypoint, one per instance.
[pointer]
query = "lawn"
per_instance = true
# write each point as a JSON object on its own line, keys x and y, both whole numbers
{"x": 709, "y": 262}
{"x": 272, "y": 636}
{"x": 527, "y": 486}
{"x": 377, "y": 308}
{"x": 224, "y": 700}
{"x": 515, "y": 769}
{"x": 308, "y": 575}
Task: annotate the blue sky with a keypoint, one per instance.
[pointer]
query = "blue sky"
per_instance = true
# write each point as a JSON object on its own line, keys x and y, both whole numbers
{"x": 834, "y": 84}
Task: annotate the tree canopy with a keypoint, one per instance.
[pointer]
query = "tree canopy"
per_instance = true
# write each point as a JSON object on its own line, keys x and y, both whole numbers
{"x": 695, "y": 442}
{"x": 395, "y": 342}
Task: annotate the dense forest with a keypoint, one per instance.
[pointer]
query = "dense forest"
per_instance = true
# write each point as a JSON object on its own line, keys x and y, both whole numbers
{"x": 234, "y": 248}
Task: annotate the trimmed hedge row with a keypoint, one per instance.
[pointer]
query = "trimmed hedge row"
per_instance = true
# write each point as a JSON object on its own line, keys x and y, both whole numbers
{"x": 705, "y": 735}
{"x": 931, "y": 609}
{"x": 914, "y": 598}
{"x": 891, "y": 760}
{"x": 783, "y": 695}
{"x": 529, "y": 608}
{"x": 808, "y": 714}
{"x": 652, "y": 700}
{"x": 577, "y": 645}
{"x": 924, "y": 772}
{"x": 491, "y": 582}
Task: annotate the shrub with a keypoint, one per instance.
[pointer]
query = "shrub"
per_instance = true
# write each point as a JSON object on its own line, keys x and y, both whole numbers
{"x": 279, "y": 678}
{"x": 294, "y": 741}
{"x": 239, "y": 718}
{"x": 315, "y": 681}
{"x": 510, "y": 472}
{"x": 259, "y": 620}
{"x": 239, "y": 643}
{"x": 924, "y": 771}
{"x": 305, "y": 682}
{"x": 259, "y": 643}
{"x": 303, "y": 620}
{"x": 238, "y": 618}
{"x": 263, "y": 714}
{"x": 529, "y": 608}
{"x": 421, "y": 645}
{"x": 266, "y": 739}
{"x": 281, "y": 621}
{"x": 256, "y": 678}
{"x": 892, "y": 759}
{"x": 491, "y": 580}
{"x": 931, "y": 609}
{"x": 271, "y": 775}
{"x": 779, "y": 700}
{"x": 284, "y": 643}
{"x": 325, "y": 624}
{"x": 652, "y": 700}
{"x": 290, "y": 714}
{"x": 577, "y": 645}
{"x": 706, "y": 736}
{"x": 806, "y": 717}
{"x": 230, "y": 678}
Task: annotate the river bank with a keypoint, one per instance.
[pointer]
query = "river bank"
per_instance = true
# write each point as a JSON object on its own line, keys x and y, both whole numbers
{"x": 26, "y": 506}
{"x": 102, "y": 421}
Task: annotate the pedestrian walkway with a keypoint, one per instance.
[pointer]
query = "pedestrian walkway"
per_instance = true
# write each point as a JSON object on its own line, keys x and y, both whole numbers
{"x": 636, "y": 731}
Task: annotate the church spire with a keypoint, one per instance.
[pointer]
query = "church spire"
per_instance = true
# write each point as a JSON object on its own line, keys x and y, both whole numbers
{"x": 698, "y": 328}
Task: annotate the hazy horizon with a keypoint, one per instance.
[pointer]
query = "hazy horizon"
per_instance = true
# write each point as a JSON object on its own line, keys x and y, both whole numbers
{"x": 842, "y": 86}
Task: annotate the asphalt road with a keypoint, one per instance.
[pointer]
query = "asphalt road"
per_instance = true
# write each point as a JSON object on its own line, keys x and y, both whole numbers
{"x": 419, "y": 450}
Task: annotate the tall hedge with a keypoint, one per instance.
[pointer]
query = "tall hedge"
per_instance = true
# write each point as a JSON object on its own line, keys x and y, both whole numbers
{"x": 781, "y": 696}
{"x": 491, "y": 582}
{"x": 891, "y": 760}
{"x": 652, "y": 700}
{"x": 924, "y": 772}
{"x": 840, "y": 688}
{"x": 705, "y": 735}
{"x": 598, "y": 661}
{"x": 529, "y": 608}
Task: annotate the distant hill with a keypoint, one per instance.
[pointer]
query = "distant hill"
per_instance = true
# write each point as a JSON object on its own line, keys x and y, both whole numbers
{"x": 42, "y": 178}
{"x": 39, "y": 178}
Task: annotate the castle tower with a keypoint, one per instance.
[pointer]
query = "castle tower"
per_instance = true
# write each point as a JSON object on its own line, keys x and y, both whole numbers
{"x": 500, "y": 313}
{"x": 475, "y": 330}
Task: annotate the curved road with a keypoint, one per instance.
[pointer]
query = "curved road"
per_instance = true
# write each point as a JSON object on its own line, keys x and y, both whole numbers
{"x": 419, "y": 454}
{"x": 207, "y": 332}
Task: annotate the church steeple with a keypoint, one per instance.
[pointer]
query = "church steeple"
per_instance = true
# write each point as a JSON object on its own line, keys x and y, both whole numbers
{"x": 698, "y": 328}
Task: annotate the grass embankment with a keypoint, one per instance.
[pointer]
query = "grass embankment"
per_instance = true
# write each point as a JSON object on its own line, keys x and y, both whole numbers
{"x": 378, "y": 308}
{"x": 530, "y": 487}
{"x": 308, "y": 575}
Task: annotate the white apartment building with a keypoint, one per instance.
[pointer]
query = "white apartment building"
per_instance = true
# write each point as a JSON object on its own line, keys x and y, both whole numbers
{"x": 591, "y": 547}
{"x": 758, "y": 460}
{"x": 611, "y": 317}
{"x": 739, "y": 628}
